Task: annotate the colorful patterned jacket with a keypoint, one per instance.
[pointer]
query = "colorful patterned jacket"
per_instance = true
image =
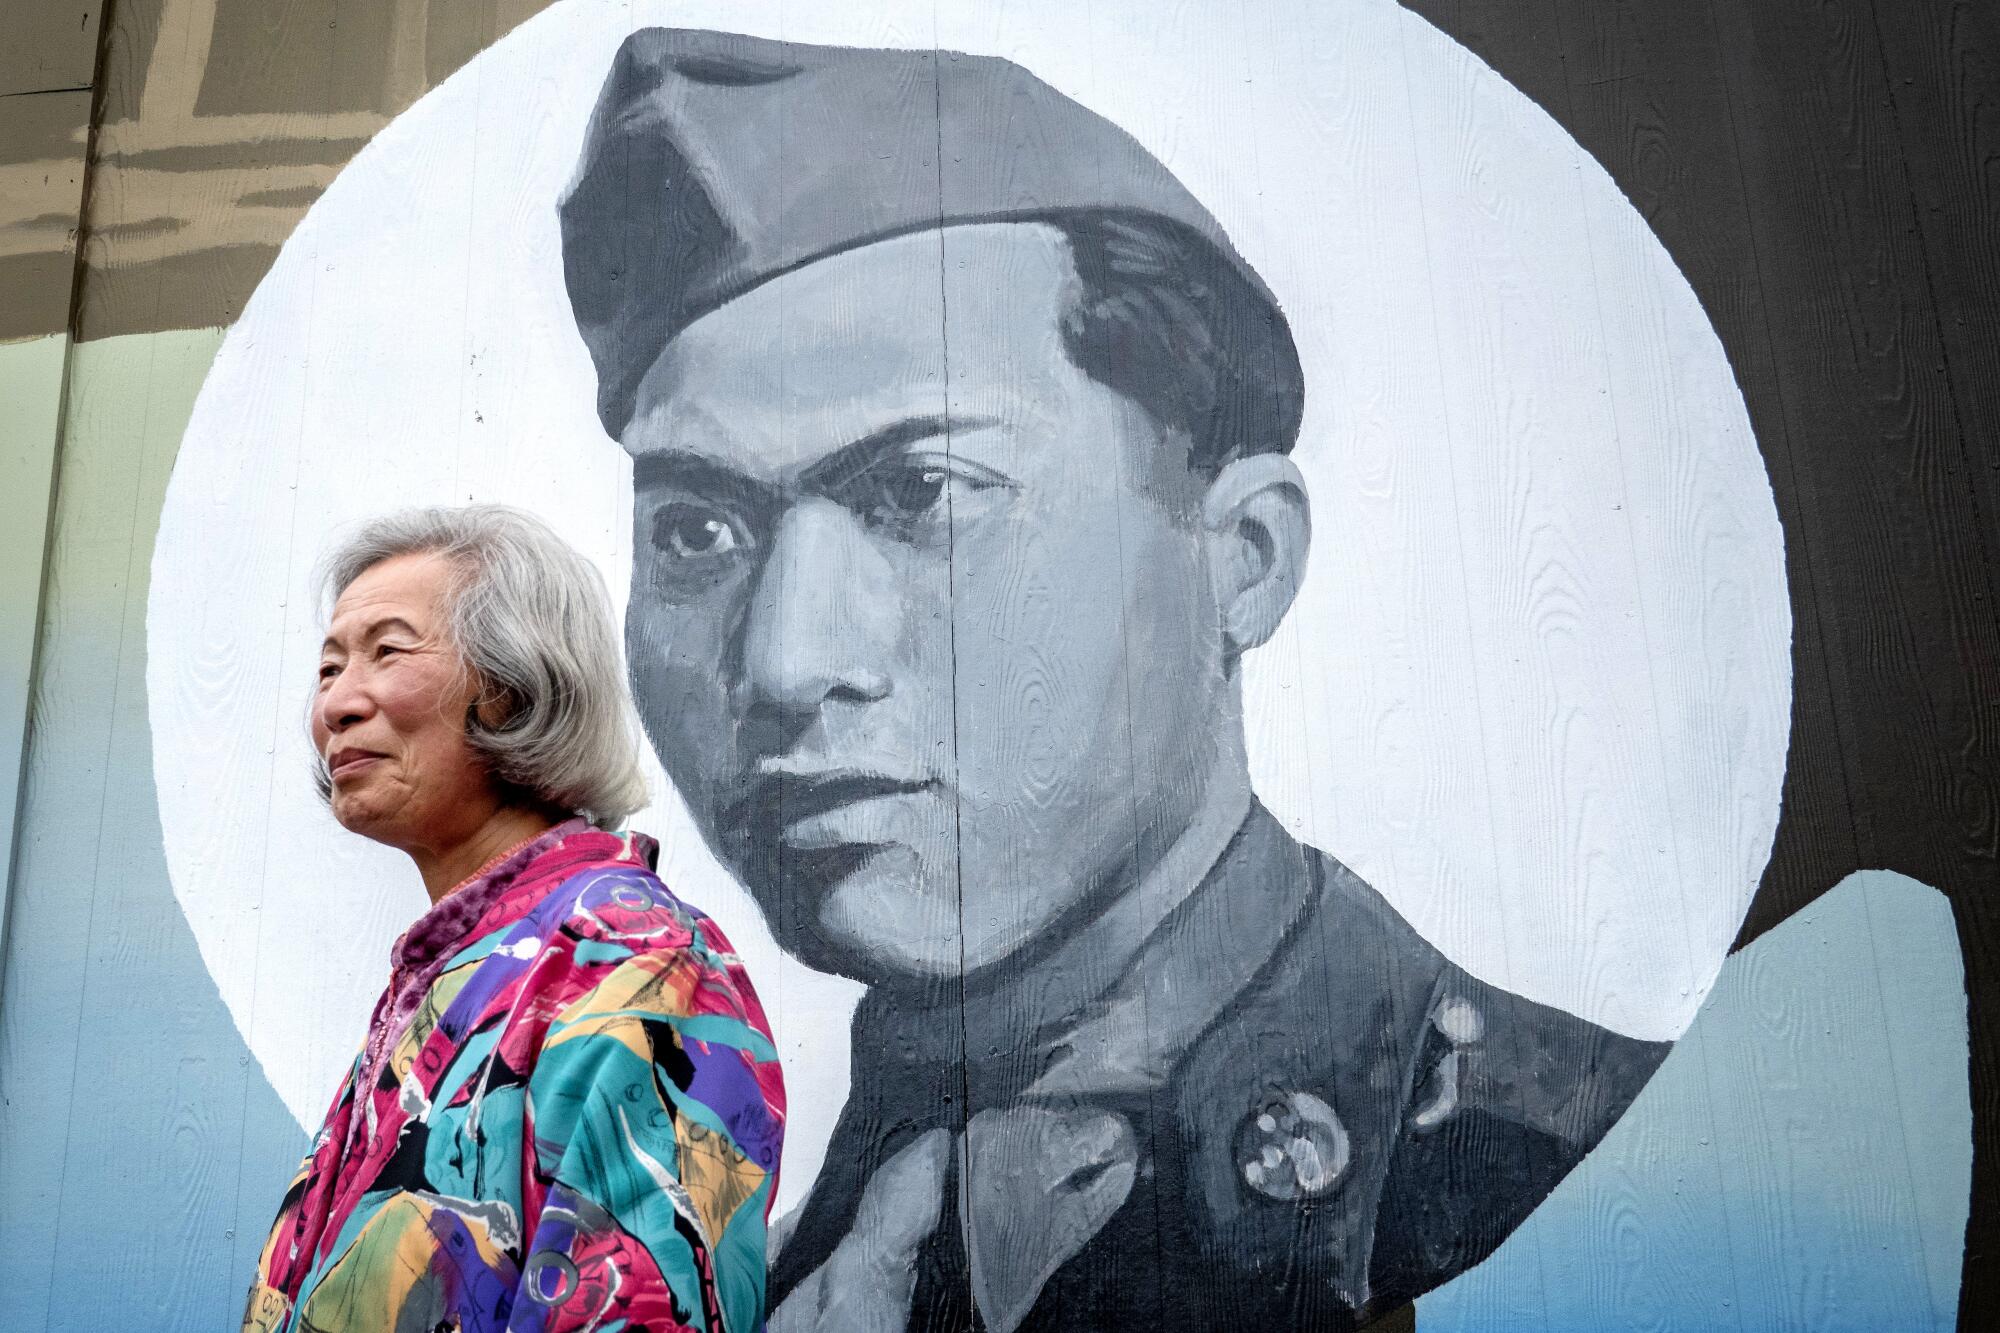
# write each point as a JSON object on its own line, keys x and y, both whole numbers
{"x": 575, "y": 1125}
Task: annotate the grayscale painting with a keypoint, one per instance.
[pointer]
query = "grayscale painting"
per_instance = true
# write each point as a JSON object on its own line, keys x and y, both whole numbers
{"x": 1212, "y": 625}
{"x": 960, "y": 457}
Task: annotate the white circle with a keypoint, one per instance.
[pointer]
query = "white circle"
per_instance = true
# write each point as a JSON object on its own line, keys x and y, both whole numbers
{"x": 1536, "y": 688}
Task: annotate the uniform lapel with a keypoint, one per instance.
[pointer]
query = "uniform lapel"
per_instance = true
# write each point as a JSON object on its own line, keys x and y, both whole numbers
{"x": 1041, "y": 1168}
{"x": 1200, "y": 959}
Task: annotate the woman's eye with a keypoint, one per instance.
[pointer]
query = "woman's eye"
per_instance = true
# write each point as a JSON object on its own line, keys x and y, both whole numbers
{"x": 328, "y": 670}
{"x": 694, "y": 532}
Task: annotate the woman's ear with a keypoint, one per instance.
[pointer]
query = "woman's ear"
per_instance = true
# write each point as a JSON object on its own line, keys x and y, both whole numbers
{"x": 1257, "y": 525}
{"x": 491, "y": 707}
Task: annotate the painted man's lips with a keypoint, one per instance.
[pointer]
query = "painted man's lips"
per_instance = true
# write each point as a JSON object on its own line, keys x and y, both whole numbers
{"x": 777, "y": 801}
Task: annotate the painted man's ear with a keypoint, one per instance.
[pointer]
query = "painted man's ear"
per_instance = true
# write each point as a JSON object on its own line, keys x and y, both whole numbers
{"x": 1258, "y": 525}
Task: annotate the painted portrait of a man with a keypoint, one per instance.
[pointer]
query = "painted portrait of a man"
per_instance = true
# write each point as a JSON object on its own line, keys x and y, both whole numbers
{"x": 1231, "y": 691}
{"x": 961, "y": 493}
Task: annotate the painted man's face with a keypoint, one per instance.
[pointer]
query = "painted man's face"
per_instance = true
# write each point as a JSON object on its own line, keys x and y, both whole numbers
{"x": 920, "y": 623}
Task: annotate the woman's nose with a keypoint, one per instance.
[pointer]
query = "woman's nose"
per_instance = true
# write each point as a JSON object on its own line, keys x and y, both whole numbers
{"x": 342, "y": 703}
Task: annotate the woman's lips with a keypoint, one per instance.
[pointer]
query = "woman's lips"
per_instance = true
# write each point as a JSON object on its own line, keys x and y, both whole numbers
{"x": 348, "y": 763}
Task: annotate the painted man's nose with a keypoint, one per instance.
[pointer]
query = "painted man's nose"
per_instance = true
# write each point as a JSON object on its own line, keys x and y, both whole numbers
{"x": 819, "y": 628}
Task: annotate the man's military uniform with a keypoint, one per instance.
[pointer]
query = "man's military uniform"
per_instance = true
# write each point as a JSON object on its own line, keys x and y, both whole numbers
{"x": 1342, "y": 1120}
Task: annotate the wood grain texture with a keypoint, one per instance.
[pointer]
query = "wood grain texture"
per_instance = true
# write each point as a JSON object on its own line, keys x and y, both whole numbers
{"x": 222, "y": 121}
{"x": 48, "y": 58}
{"x": 106, "y": 1028}
{"x": 1835, "y": 1038}
{"x": 48, "y": 45}
{"x": 1941, "y": 70}
{"x": 31, "y": 389}
{"x": 43, "y": 155}
{"x": 1823, "y": 174}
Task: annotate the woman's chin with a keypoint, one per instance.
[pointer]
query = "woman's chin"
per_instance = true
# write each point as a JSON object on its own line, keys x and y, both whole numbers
{"x": 359, "y": 815}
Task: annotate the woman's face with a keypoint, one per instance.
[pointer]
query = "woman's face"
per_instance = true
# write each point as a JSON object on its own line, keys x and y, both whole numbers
{"x": 389, "y": 715}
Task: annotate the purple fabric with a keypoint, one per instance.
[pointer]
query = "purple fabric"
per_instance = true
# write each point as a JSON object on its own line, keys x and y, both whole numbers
{"x": 421, "y": 952}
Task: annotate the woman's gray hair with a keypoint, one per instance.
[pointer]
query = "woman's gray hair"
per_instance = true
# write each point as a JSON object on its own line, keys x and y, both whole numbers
{"x": 531, "y": 619}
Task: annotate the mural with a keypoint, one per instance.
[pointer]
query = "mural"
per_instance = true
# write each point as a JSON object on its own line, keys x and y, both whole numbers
{"x": 876, "y": 385}
{"x": 1209, "y": 611}
{"x": 964, "y": 504}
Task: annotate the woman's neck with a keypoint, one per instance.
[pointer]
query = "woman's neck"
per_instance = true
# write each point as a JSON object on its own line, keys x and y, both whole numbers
{"x": 506, "y": 829}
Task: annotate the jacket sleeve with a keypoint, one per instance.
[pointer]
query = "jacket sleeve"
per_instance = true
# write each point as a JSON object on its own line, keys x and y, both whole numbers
{"x": 655, "y": 1116}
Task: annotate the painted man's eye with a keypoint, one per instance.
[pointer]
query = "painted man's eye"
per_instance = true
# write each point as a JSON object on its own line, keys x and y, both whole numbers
{"x": 694, "y": 532}
{"x": 911, "y": 489}
{"x": 916, "y": 492}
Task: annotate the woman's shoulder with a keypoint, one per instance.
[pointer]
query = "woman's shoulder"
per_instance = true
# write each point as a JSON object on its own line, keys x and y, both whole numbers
{"x": 627, "y": 933}
{"x": 601, "y": 886}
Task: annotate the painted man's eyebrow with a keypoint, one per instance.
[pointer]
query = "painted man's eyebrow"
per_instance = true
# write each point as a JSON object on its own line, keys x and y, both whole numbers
{"x": 853, "y": 458}
{"x": 698, "y": 474}
{"x": 704, "y": 476}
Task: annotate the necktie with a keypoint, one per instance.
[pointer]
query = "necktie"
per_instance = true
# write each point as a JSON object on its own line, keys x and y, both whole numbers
{"x": 1036, "y": 1185}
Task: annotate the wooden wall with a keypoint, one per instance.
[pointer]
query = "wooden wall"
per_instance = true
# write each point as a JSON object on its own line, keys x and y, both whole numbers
{"x": 48, "y": 64}
{"x": 1824, "y": 175}
{"x": 220, "y": 121}
{"x": 1823, "y": 171}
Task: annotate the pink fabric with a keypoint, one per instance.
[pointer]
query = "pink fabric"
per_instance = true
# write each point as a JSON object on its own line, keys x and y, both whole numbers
{"x": 578, "y": 1127}
{"x": 421, "y": 952}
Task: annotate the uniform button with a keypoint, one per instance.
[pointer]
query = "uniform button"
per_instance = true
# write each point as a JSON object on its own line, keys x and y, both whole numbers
{"x": 1459, "y": 1022}
{"x": 1292, "y": 1147}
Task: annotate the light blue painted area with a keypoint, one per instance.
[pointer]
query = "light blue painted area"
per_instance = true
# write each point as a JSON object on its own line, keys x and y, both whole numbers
{"x": 143, "y": 1153}
{"x": 31, "y": 381}
{"x": 1803, "y": 1160}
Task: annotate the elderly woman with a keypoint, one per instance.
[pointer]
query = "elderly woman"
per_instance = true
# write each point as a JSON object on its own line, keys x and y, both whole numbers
{"x": 567, "y": 1113}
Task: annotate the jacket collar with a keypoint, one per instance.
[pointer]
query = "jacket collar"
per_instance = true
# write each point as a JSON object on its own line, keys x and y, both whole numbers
{"x": 1188, "y": 971}
{"x": 486, "y": 902}
{"x": 1161, "y": 986}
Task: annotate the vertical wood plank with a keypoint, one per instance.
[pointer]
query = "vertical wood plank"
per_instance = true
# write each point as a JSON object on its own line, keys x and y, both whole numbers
{"x": 1822, "y": 173}
{"x": 31, "y": 379}
{"x": 1941, "y": 70}
{"x": 48, "y": 46}
{"x": 129, "y": 1113}
{"x": 1817, "y": 171}
{"x": 1918, "y": 651}
{"x": 48, "y": 62}
{"x": 1834, "y": 1043}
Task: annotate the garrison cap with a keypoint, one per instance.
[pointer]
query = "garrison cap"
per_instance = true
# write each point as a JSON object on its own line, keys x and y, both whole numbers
{"x": 715, "y": 162}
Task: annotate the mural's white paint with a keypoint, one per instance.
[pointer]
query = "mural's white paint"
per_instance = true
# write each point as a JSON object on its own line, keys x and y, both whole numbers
{"x": 1537, "y": 686}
